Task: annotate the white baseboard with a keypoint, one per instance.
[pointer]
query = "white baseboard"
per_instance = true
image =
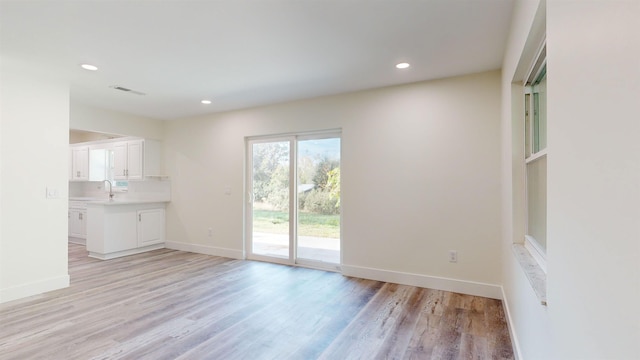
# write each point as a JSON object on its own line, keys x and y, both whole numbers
{"x": 431, "y": 282}
{"x": 205, "y": 249}
{"x": 118, "y": 254}
{"x": 34, "y": 288}
{"x": 512, "y": 329}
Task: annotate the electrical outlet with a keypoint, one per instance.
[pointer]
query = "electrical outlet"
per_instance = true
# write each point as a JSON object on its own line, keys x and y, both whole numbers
{"x": 453, "y": 256}
{"x": 210, "y": 232}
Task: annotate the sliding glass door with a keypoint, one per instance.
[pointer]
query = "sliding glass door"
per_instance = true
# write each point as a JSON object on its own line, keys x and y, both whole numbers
{"x": 293, "y": 212}
{"x": 318, "y": 203}
{"x": 271, "y": 197}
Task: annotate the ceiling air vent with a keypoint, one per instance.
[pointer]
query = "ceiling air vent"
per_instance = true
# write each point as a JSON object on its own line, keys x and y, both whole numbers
{"x": 122, "y": 88}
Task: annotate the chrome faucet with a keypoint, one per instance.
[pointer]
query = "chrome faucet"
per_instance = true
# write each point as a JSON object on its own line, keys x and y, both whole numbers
{"x": 110, "y": 189}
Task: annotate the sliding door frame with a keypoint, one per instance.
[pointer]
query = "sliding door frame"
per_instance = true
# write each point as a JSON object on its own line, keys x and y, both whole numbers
{"x": 293, "y": 139}
{"x": 249, "y": 201}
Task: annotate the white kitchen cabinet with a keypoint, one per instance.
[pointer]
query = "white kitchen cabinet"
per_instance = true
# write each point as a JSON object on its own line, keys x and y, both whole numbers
{"x": 134, "y": 159}
{"x": 79, "y": 163}
{"x": 130, "y": 158}
{"x": 77, "y": 222}
{"x": 116, "y": 229}
{"x": 150, "y": 227}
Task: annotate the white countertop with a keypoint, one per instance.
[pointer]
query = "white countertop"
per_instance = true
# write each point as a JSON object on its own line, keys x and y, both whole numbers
{"x": 116, "y": 201}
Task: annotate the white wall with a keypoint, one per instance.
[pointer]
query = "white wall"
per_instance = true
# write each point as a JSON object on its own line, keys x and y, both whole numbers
{"x": 77, "y": 136}
{"x": 528, "y": 318}
{"x": 594, "y": 178}
{"x": 593, "y": 242}
{"x": 420, "y": 176}
{"x": 34, "y": 154}
{"x": 91, "y": 118}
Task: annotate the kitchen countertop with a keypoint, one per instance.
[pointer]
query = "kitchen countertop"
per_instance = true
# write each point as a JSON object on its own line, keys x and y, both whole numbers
{"x": 123, "y": 202}
{"x": 116, "y": 201}
{"x": 80, "y": 198}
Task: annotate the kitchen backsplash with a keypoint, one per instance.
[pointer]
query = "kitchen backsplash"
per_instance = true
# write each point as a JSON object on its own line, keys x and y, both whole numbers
{"x": 153, "y": 189}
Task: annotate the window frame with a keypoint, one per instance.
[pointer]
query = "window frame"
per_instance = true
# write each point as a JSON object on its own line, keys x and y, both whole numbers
{"x": 533, "y": 153}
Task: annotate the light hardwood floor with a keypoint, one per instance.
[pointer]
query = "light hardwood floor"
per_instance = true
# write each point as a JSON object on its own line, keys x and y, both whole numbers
{"x": 170, "y": 304}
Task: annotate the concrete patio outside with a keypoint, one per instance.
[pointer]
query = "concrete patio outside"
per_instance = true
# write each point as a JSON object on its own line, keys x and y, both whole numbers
{"x": 309, "y": 247}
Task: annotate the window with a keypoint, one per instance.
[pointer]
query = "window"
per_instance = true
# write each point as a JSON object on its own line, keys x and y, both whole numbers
{"x": 101, "y": 167}
{"x": 535, "y": 97}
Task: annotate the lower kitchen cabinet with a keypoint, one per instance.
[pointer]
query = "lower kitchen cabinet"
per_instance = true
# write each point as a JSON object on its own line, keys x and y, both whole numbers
{"x": 150, "y": 227}
{"x": 77, "y": 223}
{"x": 116, "y": 229}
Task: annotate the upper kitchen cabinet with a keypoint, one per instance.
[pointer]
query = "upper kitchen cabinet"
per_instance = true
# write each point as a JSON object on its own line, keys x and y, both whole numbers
{"x": 122, "y": 159}
{"x": 79, "y": 166}
{"x": 135, "y": 159}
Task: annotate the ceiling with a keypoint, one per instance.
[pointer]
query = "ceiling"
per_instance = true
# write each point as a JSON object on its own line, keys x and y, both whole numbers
{"x": 246, "y": 53}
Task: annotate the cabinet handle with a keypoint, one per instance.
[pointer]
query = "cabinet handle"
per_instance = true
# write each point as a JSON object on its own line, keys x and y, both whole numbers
{"x": 140, "y": 217}
{"x": 127, "y": 172}
{"x": 79, "y": 216}
{"x": 124, "y": 172}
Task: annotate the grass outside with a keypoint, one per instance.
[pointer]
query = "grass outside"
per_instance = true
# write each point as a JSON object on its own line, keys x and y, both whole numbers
{"x": 310, "y": 224}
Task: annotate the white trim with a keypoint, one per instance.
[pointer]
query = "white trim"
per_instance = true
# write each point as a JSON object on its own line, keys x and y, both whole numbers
{"x": 536, "y": 252}
{"x": 293, "y": 139}
{"x": 270, "y": 258}
{"x": 515, "y": 343}
{"x": 34, "y": 288}
{"x": 305, "y": 135}
{"x": 539, "y": 61}
{"x": 205, "y": 249}
{"x": 532, "y": 270}
{"x": 77, "y": 240}
{"x": 537, "y": 156}
{"x": 122, "y": 253}
{"x": 318, "y": 265}
{"x": 431, "y": 282}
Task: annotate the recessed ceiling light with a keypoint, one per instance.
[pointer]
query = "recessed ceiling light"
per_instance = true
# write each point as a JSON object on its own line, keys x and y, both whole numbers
{"x": 403, "y": 65}
{"x": 89, "y": 67}
{"x": 206, "y": 102}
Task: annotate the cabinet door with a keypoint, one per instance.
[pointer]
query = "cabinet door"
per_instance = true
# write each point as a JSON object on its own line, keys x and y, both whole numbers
{"x": 120, "y": 161}
{"x": 83, "y": 224}
{"x": 80, "y": 160}
{"x": 77, "y": 225}
{"x": 134, "y": 160}
{"x": 150, "y": 227}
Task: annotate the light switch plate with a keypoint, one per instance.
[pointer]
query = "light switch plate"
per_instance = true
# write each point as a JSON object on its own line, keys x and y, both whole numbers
{"x": 52, "y": 193}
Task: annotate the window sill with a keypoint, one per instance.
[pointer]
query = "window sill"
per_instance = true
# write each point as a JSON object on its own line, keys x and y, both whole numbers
{"x": 537, "y": 277}
{"x": 536, "y": 252}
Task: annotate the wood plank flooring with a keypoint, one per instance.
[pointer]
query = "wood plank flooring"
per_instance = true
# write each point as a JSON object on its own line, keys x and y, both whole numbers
{"x": 170, "y": 304}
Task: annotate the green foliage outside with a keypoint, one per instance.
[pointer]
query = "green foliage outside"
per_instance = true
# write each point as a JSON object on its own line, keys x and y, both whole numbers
{"x": 319, "y": 207}
{"x": 319, "y": 202}
{"x": 271, "y": 180}
{"x": 309, "y": 224}
{"x": 333, "y": 186}
{"x": 268, "y": 158}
